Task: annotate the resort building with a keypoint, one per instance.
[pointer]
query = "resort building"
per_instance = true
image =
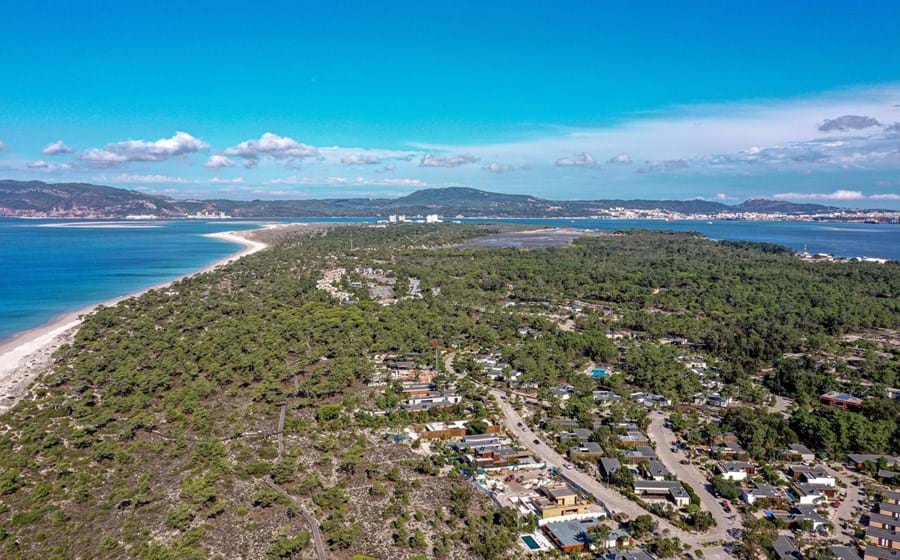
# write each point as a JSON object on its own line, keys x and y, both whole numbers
{"x": 844, "y": 401}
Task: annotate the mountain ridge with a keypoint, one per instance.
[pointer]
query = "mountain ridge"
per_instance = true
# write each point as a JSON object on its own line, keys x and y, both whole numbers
{"x": 85, "y": 200}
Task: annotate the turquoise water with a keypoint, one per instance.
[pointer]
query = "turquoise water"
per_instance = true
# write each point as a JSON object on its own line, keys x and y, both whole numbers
{"x": 48, "y": 268}
{"x": 530, "y": 542}
{"x": 598, "y": 373}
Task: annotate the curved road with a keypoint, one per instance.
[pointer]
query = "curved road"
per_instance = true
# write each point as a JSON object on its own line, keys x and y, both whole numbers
{"x": 609, "y": 497}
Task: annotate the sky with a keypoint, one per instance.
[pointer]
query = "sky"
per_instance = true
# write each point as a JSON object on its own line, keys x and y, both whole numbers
{"x": 563, "y": 100}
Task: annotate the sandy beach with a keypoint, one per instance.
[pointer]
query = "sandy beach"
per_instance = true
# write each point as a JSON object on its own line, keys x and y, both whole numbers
{"x": 27, "y": 355}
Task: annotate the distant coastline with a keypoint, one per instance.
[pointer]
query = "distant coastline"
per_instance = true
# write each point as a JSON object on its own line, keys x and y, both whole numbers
{"x": 28, "y": 354}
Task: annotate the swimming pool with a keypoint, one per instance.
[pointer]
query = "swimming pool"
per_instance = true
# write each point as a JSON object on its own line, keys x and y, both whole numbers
{"x": 598, "y": 372}
{"x": 530, "y": 542}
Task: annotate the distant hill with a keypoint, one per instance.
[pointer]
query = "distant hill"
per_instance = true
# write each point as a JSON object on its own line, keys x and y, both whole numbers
{"x": 82, "y": 200}
{"x": 36, "y": 198}
{"x": 769, "y": 206}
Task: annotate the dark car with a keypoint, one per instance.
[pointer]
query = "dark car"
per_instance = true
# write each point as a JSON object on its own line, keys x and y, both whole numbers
{"x": 537, "y": 442}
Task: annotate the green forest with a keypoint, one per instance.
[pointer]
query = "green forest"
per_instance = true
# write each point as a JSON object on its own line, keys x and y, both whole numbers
{"x": 154, "y": 435}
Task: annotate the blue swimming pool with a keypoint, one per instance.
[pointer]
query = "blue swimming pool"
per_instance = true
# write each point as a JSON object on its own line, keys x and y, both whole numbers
{"x": 531, "y": 543}
{"x": 598, "y": 372}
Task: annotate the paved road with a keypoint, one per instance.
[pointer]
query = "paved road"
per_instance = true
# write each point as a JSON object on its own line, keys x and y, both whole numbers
{"x": 609, "y": 497}
{"x": 665, "y": 439}
{"x": 845, "y": 512}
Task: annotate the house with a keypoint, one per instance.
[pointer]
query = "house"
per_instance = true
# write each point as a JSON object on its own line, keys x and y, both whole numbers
{"x": 890, "y": 497}
{"x": 800, "y": 515}
{"x": 883, "y": 521}
{"x": 883, "y": 533}
{"x": 639, "y": 454}
{"x": 811, "y": 494}
{"x": 730, "y": 450}
{"x": 608, "y": 466}
{"x": 844, "y": 401}
{"x": 650, "y": 400}
{"x": 582, "y": 434}
{"x": 798, "y": 452}
{"x": 630, "y": 554}
{"x": 655, "y": 470}
{"x": 673, "y": 490}
{"x": 632, "y": 439}
{"x": 586, "y": 451}
{"x": 431, "y": 400}
{"x": 412, "y": 388}
{"x": 570, "y": 535}
{"x": 764, "y": 494}
{"x": 563, "y": 392}
{"x": 442, "y": 430}
{"x": 617, "y": 538}
{"x": 811, "y": 475}
{"x": 859, "y": 460}
{"x": 892, "y": 393}
{"x": 785, "y": 549}
{"x": 605, "y": 398}
{"x": 735, "y": 470}
{"x": 719, "y": 401}
{"x": 883, "y": 538}
{"x": 877, "y": 553}
{"x": 558, "y": 500}
{"x": 727, "y": 437}
{"x": 841, "y": 552}
{"x": 562, "y": 423}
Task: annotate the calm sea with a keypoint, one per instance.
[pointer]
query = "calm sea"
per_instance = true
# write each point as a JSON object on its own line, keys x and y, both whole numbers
{"x": 51, "y": 267}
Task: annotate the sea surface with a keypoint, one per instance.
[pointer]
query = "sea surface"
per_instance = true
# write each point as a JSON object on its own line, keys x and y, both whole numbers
{"x": 52, "y": 267}
{"x": 836, "y": 238}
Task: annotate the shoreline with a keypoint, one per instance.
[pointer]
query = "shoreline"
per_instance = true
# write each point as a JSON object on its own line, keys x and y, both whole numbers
{"x": 28, "y": 354}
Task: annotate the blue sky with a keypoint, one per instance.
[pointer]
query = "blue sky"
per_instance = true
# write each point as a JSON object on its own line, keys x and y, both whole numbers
{"x": 793, "y": 100}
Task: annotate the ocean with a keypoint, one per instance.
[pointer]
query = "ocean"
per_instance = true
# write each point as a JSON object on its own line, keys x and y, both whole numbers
{"x": 52, "y": 267}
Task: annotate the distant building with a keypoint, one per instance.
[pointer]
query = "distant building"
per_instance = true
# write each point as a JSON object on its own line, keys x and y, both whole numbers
{"x": 844, "y": 401}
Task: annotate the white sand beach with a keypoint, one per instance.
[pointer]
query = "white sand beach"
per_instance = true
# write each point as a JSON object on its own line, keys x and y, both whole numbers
{"x": 27, "y": 355}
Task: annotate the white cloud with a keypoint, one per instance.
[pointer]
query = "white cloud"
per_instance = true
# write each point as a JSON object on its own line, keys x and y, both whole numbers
{"x": 845, "y": 195}
{"x": 360, "y": 159}
{"x": 272, "y": 146}
{"x": 136, "y": 178}
{"x": 181, "y": 144}
{"x": 48, "y": 165}
{"x": 584, "y": 159}
{"x": 716, "y": 137}
{"x": 338, "y": 180}
{"x": 55, "y": 148}
{"x": 147, "y": 179}
{"x": 495, "y": 167}
{"x": 218, "y": 161}
{"x": 620, "y": 159}
{"x": 430, "y": 160}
